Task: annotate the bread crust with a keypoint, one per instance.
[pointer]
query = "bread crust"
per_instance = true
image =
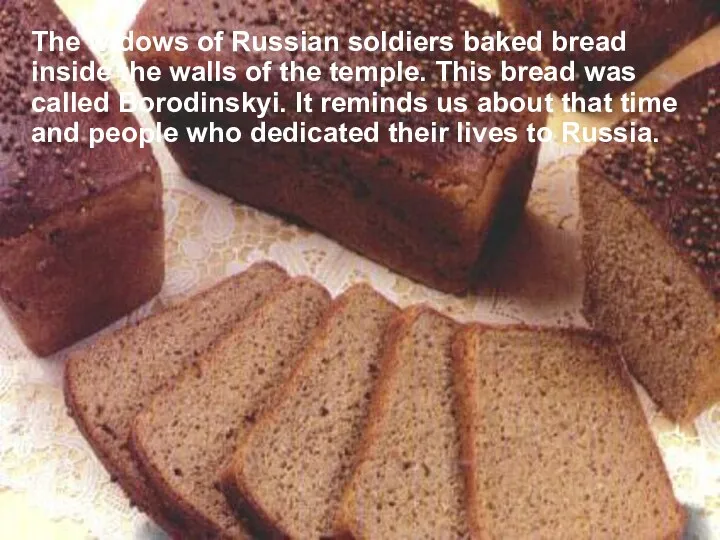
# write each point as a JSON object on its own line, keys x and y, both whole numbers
{"x": 654, "y": 32}
{"x": 425, "y": 214}
{"x": 81, "y": 229}
{"x": 465, "y": 373}
{"x": 86, "y": 266}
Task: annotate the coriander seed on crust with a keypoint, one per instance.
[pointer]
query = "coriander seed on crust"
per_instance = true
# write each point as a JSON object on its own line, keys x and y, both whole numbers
{"x": 653, "y": 31}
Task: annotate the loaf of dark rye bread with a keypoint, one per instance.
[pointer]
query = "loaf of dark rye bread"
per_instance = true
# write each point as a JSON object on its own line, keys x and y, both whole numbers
{"x": 651, "y": 242}
{"x": 423, "y": 209}
{"x": 81, "y": 231}
{"x": 187, "y": 436}
{"x": 555, "y": 440}
{"x": 111, "y": 382}
{"x": 655, "y": 29}
{"x": 408, "y": 482}
{"x": 292, "y": 467}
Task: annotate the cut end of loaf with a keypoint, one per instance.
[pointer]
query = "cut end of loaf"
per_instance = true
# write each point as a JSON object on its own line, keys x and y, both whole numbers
{"x": 642, "y": 293}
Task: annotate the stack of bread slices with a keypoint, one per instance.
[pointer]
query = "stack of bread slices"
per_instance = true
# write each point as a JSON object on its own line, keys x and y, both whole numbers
{"x": 263, "y": 408}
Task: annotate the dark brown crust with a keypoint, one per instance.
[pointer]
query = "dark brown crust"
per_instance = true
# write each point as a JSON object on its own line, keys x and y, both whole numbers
{"x": 466, "y": 381}
{"x": 685, "y": 157}
{"x": 181, "y": 510}
{"x": 38, "y": 181}
{"x": 247, "y": 511}
{"x": 233, "y": 481}
{"x": 399, "y": 328}
{"x": 707, "y": 375}
{"x": 141, "y": 494}
{"x": 654, "y": 31}
{"x": 81, "y": 230}
{"x": 419, "y": 248}
{"x": 423, "y": 210}
{"x": 86, "y": 266}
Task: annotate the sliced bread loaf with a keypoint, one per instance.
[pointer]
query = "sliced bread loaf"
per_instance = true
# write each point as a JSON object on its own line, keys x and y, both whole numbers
{"x": 107, "y": 385}
{"x": 651, "y": 246}
{"x": 408, "y": 483}
{"x": 556, "y": 442}
{"x": 292, "y": 467}
{"x": 187, "y": 436}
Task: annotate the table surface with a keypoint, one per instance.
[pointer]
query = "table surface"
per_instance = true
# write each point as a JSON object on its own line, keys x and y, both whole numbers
{"x": 52, "y": 486}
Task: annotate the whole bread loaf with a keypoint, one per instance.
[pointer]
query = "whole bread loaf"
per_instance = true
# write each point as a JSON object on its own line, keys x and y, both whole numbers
{"x": 111, "y": 382}
{"x": 423, "y": 209}
{"x": 654, "y": 30}
{"x": 555, "y": 440}
{"x": 408, "y": 482}
{"x": 292, "y": 466}
{"x": 81, "y": 231}
{"x": 651, "y": 244}
{"x": 186, "y": 437}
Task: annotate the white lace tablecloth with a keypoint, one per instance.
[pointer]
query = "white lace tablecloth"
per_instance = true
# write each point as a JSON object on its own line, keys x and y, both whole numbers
{"x": 539, "y": 280}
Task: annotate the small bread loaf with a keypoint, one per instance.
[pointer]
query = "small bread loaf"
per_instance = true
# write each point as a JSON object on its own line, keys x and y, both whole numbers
{"x": 292, "y": 467}
{"x": 81, "y": 231}
{"x": 409, "y": 483}
{"x": 188, "y": 434}
{"x": 424, "y": 209}
{"x": 555, "y": 440}
{"x": 651, "y": 243}
{"x": 108, "y": 384}
{"x": 654, "y": 30}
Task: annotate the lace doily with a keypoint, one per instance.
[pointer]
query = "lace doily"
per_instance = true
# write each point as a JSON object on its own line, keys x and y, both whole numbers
{"x": 539, "y": 280}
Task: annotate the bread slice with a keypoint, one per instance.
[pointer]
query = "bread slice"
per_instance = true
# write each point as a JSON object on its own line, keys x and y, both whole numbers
{"x": 556, "y": 441}
{"x": 408, "y": 483}
{"x": 107, "y": 385}
{"x": 651, "y": 247}
{"x": 187, "y": 436}
{"x": 293, "y": 465}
